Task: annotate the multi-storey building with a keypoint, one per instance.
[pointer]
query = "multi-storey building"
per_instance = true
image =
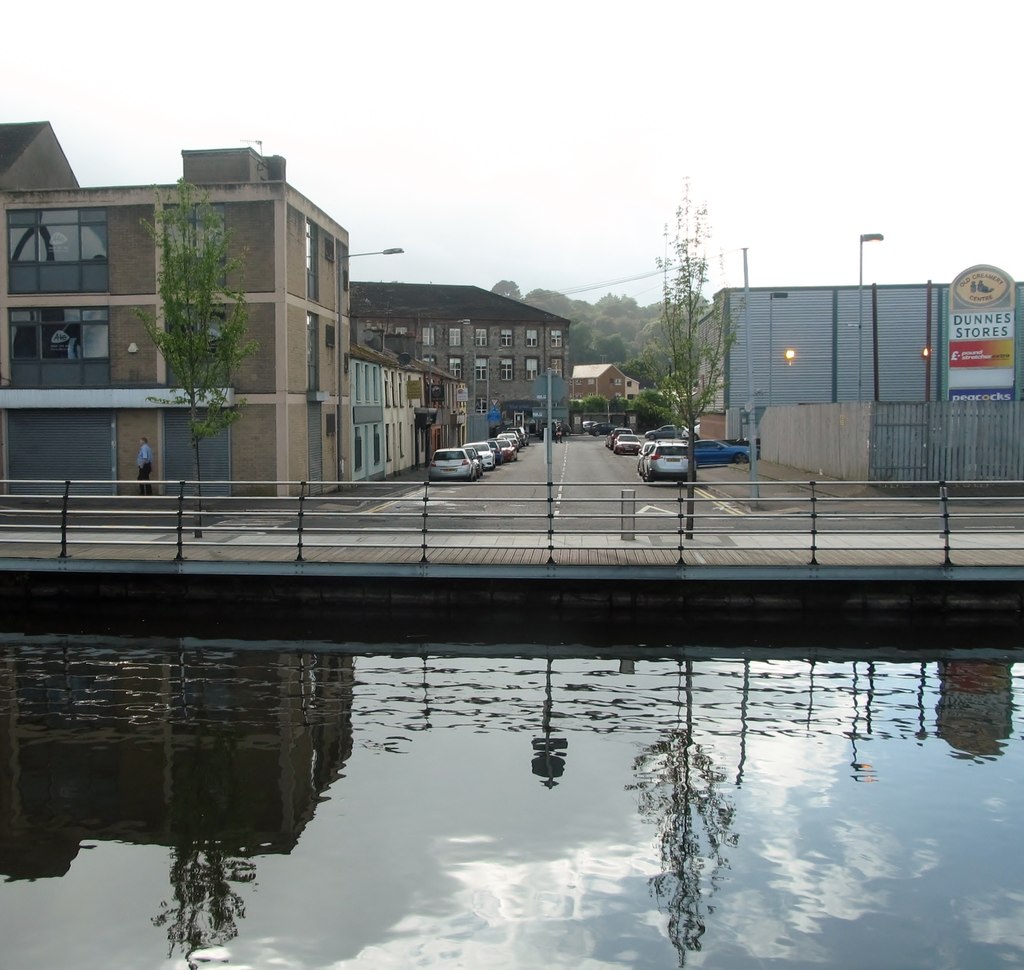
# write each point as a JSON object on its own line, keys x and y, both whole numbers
{"x": 79, "y": 377}
{"x": 496, "y": 346}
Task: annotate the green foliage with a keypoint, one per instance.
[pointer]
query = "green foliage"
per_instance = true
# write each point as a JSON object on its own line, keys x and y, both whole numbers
{"x": 652, "y": 409}
{"x": 594, "y": 404}
{"x": 507, "y": 288}
{"x": 201, "y": 327}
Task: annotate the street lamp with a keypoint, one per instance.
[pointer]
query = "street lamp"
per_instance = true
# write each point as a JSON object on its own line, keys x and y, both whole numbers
{"x": 772, "y": 297}
{"x": 865, "y": 237}
{"x": 380, "y": 252}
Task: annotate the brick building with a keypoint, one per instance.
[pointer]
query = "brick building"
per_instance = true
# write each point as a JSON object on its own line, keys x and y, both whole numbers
{"x": 603, "y": 379}
{"x": 78, "y": 372}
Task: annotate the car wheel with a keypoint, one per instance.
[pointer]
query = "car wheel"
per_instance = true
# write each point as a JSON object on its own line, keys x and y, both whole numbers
{"x": 741, "y": 460}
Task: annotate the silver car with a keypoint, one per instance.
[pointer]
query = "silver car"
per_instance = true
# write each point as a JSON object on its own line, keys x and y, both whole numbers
{"x": 666, "y": 461}
{"x": 452, "y": 465}
{"x": 485, "y": 452}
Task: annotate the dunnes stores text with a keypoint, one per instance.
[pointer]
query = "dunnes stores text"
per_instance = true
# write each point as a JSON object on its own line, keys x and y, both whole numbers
{"x": 971, "y": 326}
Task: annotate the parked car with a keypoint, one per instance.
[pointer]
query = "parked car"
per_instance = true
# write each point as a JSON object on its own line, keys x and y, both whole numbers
{"x": 499, "y": 457}
{"x": 645, "y": 449}
{"x": 487, "y": 458}
{"x": 587, "y": 425}
{"x": 666, "y": 461}
{"x": 670, "y": 431}
{"x": 601, "y": 428}
{"x": 452, "y": 465}
{"x": 512, "y": 437}
{"x": 476, "y": 459}
{"x": 609, "y": 442}
{"x": 626, "y": 444}
{"x": 711, "y": 452}
{"x": 507, "y": 449}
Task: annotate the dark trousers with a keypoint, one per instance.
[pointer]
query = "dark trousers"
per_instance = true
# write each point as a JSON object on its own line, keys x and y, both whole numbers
{"x": 144, "y": 472}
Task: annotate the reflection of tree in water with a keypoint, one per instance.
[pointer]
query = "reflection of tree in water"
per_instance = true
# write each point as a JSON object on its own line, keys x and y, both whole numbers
{"x": 679, "y": 788}
{"x": 205, "y": 908}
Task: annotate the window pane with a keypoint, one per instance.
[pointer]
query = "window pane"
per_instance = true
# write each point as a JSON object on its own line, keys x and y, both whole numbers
{"x": 94, "y": 242}
{"x": 94, "y": 340}
{"x": 54, "y": 217}
{"x": 60, "y": 243}
{"x": 25, "y": 342}
{"x": 58, "y": 279}
{"x": 94, "y": 277}
{"x": 22, "y": 217}
{"x": 22, "y": 245}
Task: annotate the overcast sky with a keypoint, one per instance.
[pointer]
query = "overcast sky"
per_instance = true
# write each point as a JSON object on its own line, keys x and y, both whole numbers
{"x": 548, "y": 142}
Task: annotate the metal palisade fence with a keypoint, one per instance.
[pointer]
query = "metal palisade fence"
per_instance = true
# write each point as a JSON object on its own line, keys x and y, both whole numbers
{"x": 947, "y": 441}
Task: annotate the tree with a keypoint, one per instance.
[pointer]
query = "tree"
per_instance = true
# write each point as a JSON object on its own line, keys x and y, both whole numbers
{"x": 507, "y": 288}
{"x": 692, "y": 337}
{"x": 201, "y": 324}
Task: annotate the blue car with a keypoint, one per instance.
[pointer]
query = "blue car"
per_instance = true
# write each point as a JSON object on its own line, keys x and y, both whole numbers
{"x": 707, "y": 451}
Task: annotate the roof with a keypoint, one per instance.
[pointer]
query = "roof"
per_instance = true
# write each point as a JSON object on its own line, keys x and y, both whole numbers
{"x": 14, "y": 139}
{"x": 442, "y": 301}
{"x": 591, "y": 370}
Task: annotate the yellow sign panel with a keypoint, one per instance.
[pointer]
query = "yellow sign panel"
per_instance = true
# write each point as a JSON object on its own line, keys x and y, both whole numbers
{"x": 414, "y": 390}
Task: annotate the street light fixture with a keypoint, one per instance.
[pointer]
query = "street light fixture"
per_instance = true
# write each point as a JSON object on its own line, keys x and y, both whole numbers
{"x": 380, "y": 252}
{"x": 865, "y": 237}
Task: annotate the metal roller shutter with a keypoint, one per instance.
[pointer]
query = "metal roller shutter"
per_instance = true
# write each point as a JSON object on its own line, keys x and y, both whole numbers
{"x": 214, "y": 456}
{"x": 316, "y": 451}
{"x": 62, "y": 444}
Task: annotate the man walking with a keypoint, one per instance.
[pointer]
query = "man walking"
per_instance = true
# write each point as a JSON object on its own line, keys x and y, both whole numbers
{"x": 145, "y": 461}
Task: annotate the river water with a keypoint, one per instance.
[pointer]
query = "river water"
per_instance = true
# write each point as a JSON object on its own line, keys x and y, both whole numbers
{"x": 188, "y": 802}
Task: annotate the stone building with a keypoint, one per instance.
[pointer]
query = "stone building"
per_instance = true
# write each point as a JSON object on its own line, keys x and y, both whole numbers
{"x": 495, "y": 345}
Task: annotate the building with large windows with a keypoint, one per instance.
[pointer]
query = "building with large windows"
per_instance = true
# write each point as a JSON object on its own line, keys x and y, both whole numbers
{"x": 495, "y": 345}
{"x": 80, "y": 379}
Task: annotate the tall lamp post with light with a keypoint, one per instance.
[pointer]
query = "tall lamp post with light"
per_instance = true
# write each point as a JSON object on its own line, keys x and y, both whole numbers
{"x": 865, "y": 237}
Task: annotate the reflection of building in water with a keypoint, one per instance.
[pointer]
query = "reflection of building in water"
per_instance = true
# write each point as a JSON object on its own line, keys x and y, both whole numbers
{"x": 975, "y": 709}
{"x": 148, "y": 748}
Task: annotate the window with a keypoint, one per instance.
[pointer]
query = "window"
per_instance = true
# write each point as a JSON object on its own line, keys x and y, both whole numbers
{"x": 556, "y": 338}
{"x": 427, "y": 336}
{"x": 531, "y": 338}
{"x": 60, "y": 346}
{"x": 480, "y": 369}
{"x": 312, "y": 261}
{"x": 312, "y": 351}
{"x": 455, "y": 366}
{"x": 556, "y": 364}
{"x": 532, "y": 367}
{"x": 506, "y": 338}
{"x": 481, "y": 405}
{"x": 57, "y": 250}
{"x": 505, "y": 368}
{"x": 454, "y": 336}
{"x": 430, "y": 358}
{"x": 480, "y": 337}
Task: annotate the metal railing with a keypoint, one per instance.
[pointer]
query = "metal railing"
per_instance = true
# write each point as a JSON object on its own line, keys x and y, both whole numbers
{"x": 788, "y": 524}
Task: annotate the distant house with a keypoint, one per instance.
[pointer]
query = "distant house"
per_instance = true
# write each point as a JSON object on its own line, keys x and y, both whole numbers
{"x": 603, "y": 379}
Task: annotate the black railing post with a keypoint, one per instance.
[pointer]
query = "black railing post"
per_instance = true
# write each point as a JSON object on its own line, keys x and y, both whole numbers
{"x": 682, "y": 518}
{"x": 814, "y": 525}
{"x": 944, "y": 505}
{"x": 423, "y": 545}
{"x": 551, "y": 523}
{"x": 302, "y": 499}
{"x": 64, "y": 521}
{"x": 181, "y": 521}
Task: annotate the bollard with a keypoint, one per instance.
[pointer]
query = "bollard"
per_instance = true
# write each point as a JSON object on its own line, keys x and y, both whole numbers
{"x": 627, "y": 524}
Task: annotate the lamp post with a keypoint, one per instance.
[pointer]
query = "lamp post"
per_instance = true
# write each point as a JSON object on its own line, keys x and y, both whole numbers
{"x": 772, "y": 297}
{"x": 380, "y": 252}
{"x": 865, "y": 237}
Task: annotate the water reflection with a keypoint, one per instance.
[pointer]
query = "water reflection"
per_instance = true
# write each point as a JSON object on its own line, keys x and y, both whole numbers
{"x": 715, "y": 790}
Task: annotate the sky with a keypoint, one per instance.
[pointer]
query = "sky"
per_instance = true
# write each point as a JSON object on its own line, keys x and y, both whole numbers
{"x": 550, "y": 143}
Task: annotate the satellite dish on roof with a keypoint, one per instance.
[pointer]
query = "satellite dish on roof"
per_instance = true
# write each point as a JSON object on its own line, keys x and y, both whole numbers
{"x": 405, "y": 359}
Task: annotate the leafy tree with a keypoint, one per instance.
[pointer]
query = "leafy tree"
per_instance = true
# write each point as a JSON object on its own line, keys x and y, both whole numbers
{"x": 507, "y": 288}
{"x": 693, "y": 337}
{"x": 594, "y": 404}
{"x": 652, "y": 409}
{"x": 201, "y": 325}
